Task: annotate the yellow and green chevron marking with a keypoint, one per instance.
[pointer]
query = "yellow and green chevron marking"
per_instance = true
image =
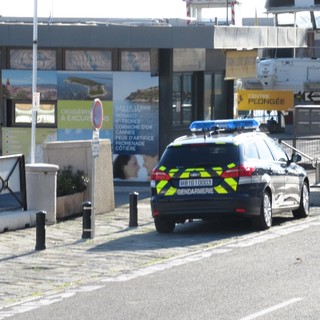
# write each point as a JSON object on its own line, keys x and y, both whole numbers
{"x": 227, "y": 185}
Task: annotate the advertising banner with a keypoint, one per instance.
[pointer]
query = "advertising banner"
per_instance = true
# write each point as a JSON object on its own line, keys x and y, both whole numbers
{"x": 18, "y": 140}
{"x": 136, "y": 125}
{"x": 76, "y": 91}
{"x": 130, "y": 103}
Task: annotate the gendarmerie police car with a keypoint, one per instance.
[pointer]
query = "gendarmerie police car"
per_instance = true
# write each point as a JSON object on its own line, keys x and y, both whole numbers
{"x": 229, "y": 168}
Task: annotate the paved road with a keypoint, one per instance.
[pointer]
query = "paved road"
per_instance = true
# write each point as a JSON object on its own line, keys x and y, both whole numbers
{"x": 271, "y": 275}
{"x": 70, "y": 262}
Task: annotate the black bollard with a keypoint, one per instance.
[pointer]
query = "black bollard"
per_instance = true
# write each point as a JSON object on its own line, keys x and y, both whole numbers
{"x": 41, "y": 230}
{"x": 86, "y": 220}
{"x": 133, "y": 209}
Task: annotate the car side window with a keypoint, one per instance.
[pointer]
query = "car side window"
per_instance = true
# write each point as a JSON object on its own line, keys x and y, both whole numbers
{"x": 250, "y": 151}
{"x": 264, "y": 151}
{"x": 278, "y": 152}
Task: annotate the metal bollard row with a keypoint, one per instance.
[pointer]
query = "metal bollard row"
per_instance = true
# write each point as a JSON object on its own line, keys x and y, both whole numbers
{"x": 133, "y": 200}
{"x": 40, "y": 230}
{"x": 86, "y": 220}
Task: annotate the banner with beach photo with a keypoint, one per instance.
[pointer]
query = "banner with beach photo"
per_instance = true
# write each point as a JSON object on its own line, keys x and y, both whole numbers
{"x": 135, "y": 124}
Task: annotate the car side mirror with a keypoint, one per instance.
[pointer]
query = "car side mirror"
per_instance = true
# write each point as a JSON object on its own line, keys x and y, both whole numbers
{"x": 296, "y": 157}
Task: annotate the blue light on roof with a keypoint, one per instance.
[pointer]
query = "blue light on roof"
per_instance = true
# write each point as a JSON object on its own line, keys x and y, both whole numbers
{"x": 227, "y": 125}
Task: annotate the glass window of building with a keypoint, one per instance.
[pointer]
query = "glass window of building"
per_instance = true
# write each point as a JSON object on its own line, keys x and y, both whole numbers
{"x": 208, "y": 114}
{"x": 219, "y": 100}
{"x": 182, "y": 99}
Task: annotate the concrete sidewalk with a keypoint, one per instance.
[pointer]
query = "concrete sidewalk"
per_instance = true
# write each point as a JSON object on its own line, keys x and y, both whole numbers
{"x": 69, "y": 261}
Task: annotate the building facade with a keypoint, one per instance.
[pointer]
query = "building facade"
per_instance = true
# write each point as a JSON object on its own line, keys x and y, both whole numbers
{"x": 153, "y": 79}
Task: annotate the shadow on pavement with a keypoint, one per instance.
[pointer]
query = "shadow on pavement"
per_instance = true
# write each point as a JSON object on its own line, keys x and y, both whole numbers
{"x": 188, "y": 234}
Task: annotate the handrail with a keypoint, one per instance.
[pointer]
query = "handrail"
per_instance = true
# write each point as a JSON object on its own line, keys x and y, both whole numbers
{"x": 314, "y": 160}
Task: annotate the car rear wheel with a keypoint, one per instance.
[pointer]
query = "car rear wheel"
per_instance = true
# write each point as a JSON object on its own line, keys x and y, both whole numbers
{"x": 264, "y": 220}
{"x": 164, "y": 225}
{"x": 303, "y": 210}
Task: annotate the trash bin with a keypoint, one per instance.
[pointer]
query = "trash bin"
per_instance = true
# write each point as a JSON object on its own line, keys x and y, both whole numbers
{"x": 41, "y": 183}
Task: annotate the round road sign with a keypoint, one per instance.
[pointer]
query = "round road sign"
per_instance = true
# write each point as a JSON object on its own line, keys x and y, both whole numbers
{"x": 97, "y": 114}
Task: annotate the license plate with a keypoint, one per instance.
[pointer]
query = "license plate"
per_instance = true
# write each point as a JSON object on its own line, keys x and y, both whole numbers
{"x": 195, "y": 183}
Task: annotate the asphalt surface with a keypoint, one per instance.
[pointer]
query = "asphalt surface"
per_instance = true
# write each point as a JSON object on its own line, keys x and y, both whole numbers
{"x": 68, "y": 261}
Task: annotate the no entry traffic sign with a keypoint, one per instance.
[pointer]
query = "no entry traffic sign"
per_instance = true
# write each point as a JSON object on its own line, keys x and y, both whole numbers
{"x": 97, "y": 114}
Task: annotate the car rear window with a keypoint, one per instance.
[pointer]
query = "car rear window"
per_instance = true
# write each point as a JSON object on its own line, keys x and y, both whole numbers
{"x": 199, "y": 155}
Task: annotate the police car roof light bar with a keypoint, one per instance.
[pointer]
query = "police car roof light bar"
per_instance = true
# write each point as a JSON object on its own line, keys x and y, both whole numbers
{"x": 226, "y": 125}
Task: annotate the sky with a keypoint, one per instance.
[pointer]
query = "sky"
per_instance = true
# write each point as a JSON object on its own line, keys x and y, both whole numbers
{"x": 109, "y": 8}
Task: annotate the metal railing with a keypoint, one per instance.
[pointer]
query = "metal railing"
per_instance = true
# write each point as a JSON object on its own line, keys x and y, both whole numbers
{"x": 309, "y": 149}
{"x": 12, "y": 183}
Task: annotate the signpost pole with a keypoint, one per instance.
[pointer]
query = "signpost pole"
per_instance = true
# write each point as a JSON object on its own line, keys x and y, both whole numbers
{"x": 95, "y": 154}
{"x": 34, "y": 81}
{"x": 93, "y": 210}
{"x": 97, "y": 120}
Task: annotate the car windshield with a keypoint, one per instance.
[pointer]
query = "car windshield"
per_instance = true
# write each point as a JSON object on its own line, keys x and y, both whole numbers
{"x": 202, "y": 155}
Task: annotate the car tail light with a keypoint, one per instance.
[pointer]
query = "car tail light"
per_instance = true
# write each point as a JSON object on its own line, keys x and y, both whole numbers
{"x": 238, "y": 171}
{"x": 158, "y": 175}
{"x": 155, "y": 213}
{"x": 240, "y": 210}
{"x": 246, "y": 171}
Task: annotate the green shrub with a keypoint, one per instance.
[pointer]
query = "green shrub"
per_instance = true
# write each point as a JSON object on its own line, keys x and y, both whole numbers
{"x": 70, "y": 182}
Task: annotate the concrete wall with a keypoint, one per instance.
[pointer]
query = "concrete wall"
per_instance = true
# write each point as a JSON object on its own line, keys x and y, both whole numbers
{"x": 79, "y": 155}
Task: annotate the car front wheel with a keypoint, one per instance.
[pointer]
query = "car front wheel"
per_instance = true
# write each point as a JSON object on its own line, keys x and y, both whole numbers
{"x": 164, "y": 225}
{"x": 264, "y": 220}
{"x": 303, "y": 210}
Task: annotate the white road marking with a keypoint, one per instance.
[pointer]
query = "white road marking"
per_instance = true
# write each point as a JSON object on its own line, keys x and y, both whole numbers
{"x": 206, "y": 253}
{"x": 268, "y": 235}
{"x": 7, "y": 312}
{"x": 45, "y": 301}
{"x": 271, "y": 309}
{"x": 168, "y": 264}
